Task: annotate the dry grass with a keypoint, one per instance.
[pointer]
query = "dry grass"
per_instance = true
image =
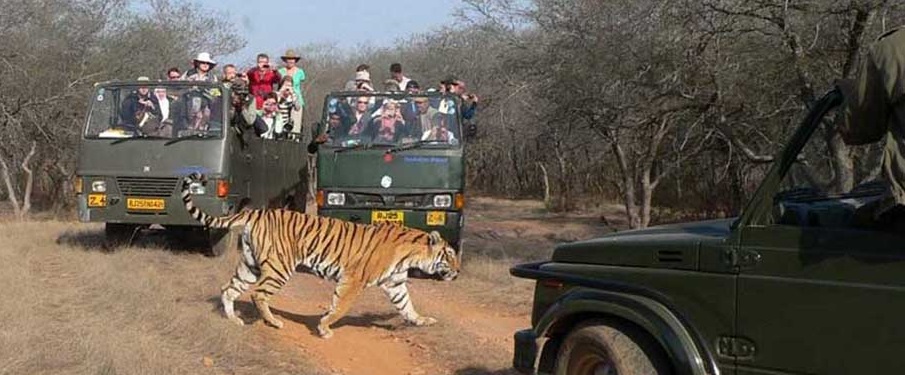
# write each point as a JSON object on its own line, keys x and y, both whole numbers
{"x": 70, "y": 308}
{"x": 501, "y": 233}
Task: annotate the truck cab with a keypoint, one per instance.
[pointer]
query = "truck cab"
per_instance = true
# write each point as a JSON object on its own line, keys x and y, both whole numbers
{"x": 802, "y": 282}
{"x": 393, "y": 158}
{"x": 142, "y": 137}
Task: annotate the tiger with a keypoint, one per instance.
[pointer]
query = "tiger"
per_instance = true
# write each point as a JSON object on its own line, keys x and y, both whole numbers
{"x": 274, "y": 242}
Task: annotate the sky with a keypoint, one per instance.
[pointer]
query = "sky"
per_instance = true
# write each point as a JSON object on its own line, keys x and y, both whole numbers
{"x": 273, "y": 26}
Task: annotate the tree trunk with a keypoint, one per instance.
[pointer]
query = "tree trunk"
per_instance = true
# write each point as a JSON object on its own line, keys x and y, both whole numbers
{"x": 29, "y": 182}
{"x": 548, "y": 200}
{"x": 10, "y": 188}
{"x": 628, "y": 187}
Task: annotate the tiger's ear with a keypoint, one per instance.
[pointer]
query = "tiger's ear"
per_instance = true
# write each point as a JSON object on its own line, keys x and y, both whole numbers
{"x": 434, "y": 238}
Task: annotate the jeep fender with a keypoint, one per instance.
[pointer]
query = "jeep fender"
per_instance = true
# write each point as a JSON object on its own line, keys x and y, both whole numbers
{"x": 687, "y": 354}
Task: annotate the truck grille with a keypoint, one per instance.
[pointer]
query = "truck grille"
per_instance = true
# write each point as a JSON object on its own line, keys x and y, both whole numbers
{"x": 147, "y": 186}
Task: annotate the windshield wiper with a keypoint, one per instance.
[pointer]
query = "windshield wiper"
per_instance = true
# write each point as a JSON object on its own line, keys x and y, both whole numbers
{"x": 139, "y": 135}
{"x": 409, "y": 146}
{"x": 353, "y": 147}
{"x": 196, "y": 135}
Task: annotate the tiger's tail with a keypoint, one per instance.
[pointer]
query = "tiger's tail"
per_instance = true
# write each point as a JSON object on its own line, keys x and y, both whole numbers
{"x": 205, "y": 219}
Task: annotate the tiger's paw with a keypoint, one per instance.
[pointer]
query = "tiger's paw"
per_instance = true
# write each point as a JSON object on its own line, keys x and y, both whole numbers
{"x": 424, "y": 321}
{"x": 275, "y": 323}
{"x": 324, "y": 332}
{"x": 235, "y": 319}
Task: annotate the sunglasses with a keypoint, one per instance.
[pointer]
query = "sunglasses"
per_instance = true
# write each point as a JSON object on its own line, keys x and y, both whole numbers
{"x": 363, "y": 103}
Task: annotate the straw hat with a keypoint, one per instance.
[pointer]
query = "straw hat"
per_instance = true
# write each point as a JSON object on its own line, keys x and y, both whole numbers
{"x": 290, "y": 55}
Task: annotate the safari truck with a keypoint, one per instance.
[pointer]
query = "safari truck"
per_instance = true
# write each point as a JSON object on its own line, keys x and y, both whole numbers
{"x": 393, "y": 158}
{"x": 143, "y": 137}
{"x": 801, "y": 282}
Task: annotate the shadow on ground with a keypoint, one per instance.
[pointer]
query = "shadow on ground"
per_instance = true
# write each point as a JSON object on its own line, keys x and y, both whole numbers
{"x": 249, "y": 313}
{"x": 95, "y": 240}
{"x": 484, "y": 371}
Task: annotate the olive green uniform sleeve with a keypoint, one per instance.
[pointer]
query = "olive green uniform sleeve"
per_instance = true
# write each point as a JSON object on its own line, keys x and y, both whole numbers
{"x": 874, "y": 108}
{"x": 869, "y": 96}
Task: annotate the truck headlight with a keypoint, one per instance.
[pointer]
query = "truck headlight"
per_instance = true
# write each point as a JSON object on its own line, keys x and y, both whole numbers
{"x": 197, "y": 188}
{"x": 443, "y": 201}
{"x": 336, "y": 199}
{"x": 99, "y": 186}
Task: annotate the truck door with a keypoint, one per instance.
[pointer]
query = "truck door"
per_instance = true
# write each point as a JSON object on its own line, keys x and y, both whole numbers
{"x": 816, "y": 294}
{"x": 255, "y": 157}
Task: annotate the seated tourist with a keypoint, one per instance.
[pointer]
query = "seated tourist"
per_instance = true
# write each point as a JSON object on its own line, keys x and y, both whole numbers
{"x": 388, "y": 127}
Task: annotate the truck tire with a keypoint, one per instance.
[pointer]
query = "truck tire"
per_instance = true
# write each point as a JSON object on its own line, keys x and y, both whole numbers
{"x": 118, "y": 234}
{"x": 601, "y": 347}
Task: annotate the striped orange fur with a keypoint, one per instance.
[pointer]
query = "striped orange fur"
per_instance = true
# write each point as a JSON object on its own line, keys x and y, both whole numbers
{"x": 274, "y": 242}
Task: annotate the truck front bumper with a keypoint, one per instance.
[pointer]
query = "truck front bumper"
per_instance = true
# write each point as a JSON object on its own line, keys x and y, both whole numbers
{"x": 526, "y": 352}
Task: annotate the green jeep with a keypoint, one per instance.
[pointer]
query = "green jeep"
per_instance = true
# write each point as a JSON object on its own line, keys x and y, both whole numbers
{"x": 799, "y": 283}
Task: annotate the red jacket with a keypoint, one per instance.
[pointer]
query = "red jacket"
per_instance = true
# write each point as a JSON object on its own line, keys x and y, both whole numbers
{"x": 262, "y": 82}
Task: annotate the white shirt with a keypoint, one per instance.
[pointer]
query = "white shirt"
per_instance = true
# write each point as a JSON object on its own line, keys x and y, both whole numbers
{"x": 404, "y": 83}
{"x": 164, "y": 102}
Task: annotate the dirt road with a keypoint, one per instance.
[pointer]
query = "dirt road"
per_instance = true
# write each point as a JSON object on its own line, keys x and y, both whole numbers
{"x": 150, "y": 309}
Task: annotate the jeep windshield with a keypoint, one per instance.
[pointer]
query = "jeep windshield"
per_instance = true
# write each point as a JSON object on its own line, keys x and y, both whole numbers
{"x": 156, "y": 110}
{"x": 397, "y": 121}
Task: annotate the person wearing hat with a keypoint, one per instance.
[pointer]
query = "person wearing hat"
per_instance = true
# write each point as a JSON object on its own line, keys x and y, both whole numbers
{"x": 203, "y": 70}
{"x": 352, "y": 84}
{"x": 456, "y": 87}
{"x": 290, "y": 68}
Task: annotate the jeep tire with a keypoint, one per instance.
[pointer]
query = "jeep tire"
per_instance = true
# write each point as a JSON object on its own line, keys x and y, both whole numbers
{"x": 601, "y": 347}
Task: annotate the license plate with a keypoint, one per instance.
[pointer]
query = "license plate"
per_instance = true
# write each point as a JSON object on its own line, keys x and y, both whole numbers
{"x": 394, "y": 217}
{"x": 436, "y": 218}
{"x": 97, "y": 200}
{"x": 145, "y": 204}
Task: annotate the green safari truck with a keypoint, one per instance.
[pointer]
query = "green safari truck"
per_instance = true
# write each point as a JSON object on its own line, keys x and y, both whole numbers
{"x": 142, "y": 137}
{"x": 802, "y": 282}
{"x": 395, "y": 158}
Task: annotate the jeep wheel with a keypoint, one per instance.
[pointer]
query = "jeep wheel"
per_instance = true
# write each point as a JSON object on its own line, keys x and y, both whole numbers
{"x": 601, "y": 348}
{"x": 117, "y": 234}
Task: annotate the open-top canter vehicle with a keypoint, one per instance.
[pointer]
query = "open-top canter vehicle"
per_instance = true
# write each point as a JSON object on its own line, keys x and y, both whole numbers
{"x": 800, "y": 283}
{"x": 406, "y": 168}
{"x": 136, "y": 149}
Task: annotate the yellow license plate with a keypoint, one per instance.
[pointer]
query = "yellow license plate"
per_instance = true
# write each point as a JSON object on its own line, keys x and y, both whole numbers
{"x": 393, "y": 217}
{"x": 97, "y": 200}
{"x": 145, "y": 204}
{"x": 436, "y": 218}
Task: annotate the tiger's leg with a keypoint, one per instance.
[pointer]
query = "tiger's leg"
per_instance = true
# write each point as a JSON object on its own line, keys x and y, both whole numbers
{"x": 272, "y": 280}
{"x": 398, "y": 294}
{"x": 343, "y": 296}
{"x": 246, "y": 274}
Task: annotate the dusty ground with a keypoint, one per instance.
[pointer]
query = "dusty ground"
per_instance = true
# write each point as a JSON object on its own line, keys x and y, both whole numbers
{"x": 70, "y": 307}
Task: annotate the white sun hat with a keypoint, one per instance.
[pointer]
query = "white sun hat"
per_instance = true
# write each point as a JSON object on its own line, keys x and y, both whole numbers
{"x": 205, "y": 58}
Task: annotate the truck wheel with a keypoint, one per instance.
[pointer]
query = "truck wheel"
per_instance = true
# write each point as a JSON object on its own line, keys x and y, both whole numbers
{"x": 118, "y": 234}
{"x": 220, "y": 241}
{"x": 602, "y": 348}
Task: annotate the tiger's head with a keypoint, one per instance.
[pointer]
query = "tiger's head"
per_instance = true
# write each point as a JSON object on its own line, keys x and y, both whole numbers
{"x": 446, "y": 260}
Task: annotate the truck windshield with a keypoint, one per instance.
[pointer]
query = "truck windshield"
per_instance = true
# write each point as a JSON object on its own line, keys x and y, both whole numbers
{"x": 156, "y": 110}
{"x": 356, "y": 119}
